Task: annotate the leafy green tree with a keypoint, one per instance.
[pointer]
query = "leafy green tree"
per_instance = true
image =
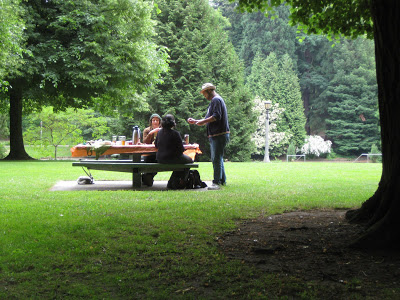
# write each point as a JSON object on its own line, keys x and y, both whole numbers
{"x": 79, "y": 54}
{"x": 63, "y": 128}
{"x": 377, "y": 19}
{"x": 277, "y": 81}
{"x": 11, "y": 26}
{"x": 201, "y": 52}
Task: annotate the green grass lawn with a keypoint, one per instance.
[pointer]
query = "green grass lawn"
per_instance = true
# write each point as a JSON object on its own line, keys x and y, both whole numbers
{"x": 154, "y": 245}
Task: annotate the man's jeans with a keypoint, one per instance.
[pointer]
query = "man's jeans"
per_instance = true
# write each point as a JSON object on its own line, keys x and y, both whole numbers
{"x": 218, "y": 144}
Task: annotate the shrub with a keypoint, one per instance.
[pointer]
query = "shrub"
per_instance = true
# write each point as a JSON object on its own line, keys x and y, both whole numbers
{"x": 3, "y": 151}
{"x": 291, "y": 150}
{"x": 315, "y": 146}
{"x": 374, "y": 150}
{"x": 332, "y": 155}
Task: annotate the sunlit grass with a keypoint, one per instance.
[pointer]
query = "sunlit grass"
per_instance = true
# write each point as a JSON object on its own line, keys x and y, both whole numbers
{"x": 150, "y": 244}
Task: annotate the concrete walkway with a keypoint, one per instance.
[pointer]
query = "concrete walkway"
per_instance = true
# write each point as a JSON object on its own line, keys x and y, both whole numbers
{"x": 113, "y": 185}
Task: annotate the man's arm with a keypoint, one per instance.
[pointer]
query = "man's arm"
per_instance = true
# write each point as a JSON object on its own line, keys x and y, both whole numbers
{"x": 202, "y": 121}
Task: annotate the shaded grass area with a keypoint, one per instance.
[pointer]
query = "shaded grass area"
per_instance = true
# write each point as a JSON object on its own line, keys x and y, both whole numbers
{"x": 144, "y": 244}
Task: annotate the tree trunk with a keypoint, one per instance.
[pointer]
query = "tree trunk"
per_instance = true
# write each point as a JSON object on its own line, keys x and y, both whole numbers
{"x": 17, "y": 149}
{"x": 381, "y": 212}
{"x": 306, "y": 104}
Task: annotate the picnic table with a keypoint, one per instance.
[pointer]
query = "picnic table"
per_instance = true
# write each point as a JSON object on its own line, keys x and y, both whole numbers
{"x": 134, "y": 165}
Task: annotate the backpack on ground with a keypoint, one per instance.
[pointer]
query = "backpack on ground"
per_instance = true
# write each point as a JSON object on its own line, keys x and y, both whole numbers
{"x": 195, "y": 180}
{"x": 192, "y": 181}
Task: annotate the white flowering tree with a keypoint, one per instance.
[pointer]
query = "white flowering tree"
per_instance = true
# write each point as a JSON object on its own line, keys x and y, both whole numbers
{"x": 278, "y": 141}
{"x": 315, "y": 146}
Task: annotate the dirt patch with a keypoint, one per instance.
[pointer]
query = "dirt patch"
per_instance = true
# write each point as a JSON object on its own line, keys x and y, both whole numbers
{"x": 312, "y": 246}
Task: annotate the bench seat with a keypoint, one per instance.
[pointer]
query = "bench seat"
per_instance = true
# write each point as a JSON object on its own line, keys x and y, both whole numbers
{"x": 136, "y": 168}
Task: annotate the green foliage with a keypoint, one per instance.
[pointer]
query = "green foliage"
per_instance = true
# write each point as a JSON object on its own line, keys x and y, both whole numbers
{"x": 4, "y": 130}
{"x": 63, "y": 128}
{"x": 315, "y": 60}
{"x": 88, "y": 51}
{"x": 322, "y": 17}
{"x": 375, "y": 150}
{"x": 319, "y": 67}
{"x": 3, "y": 151}
{"x": 275, "y": 79}
{"x": 352, "y": 99}
{"x": 11, "y": 27}
{"x": 253, "y": 33}
{"x": 83, "y": 53}
{"x": 201, "y": 52}
{"x": 291, "y": 151}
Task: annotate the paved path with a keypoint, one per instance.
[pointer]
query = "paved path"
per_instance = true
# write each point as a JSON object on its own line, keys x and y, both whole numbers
{"x": 112, "y": 185}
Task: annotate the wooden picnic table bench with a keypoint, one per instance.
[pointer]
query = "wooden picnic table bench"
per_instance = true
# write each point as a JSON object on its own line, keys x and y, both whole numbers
{"x": 136, "y": 168}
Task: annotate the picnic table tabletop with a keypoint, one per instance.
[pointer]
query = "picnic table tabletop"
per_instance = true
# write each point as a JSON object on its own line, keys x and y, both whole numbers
{"x": 82, "y": 150}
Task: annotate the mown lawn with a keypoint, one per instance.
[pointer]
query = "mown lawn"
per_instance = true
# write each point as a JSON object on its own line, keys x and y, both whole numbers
{"x": 154, "y": 245}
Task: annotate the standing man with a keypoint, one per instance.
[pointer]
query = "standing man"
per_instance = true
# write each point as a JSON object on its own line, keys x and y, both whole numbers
{"x": 216, "y": 120}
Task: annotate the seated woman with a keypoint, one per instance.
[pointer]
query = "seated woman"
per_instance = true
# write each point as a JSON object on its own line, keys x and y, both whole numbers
{"x": 150, "y": 133}
{"x": 169, "y": 143}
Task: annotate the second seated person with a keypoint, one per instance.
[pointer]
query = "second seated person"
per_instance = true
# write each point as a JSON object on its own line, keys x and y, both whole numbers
{"x": 169, "y": 143}
{"x": 149, "y": 135}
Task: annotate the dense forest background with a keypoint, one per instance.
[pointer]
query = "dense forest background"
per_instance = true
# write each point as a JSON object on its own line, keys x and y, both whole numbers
{"x": 317, "y": 86}
{"x": 337, "y": 78}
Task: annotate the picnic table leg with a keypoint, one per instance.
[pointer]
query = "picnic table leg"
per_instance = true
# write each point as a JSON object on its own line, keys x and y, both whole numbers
{"x": 136, "y": 178}
{"x": 136, "y": 157}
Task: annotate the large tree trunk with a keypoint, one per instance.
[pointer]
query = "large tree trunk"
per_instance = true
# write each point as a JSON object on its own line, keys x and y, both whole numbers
{"x": 17, "y": 149}
{"x": 382, "y": 211}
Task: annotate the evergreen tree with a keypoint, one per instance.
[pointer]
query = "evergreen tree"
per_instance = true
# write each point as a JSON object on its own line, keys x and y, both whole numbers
{"x": 277, "y": 81}
{"x": 315, "y": 59}
{"x": 352, "y": 124}
{"x": 290, "y": 99}
{"x": 253, "y": 33}
{"x": 200, "y": 52}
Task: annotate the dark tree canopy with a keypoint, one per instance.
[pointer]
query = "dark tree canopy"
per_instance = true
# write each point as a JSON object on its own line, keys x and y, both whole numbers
{"x": 342, "y": 17}
{"x": 380, "y": 20}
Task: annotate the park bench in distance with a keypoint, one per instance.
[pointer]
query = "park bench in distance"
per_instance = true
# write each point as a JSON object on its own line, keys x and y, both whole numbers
{"x": 136, "y": 168}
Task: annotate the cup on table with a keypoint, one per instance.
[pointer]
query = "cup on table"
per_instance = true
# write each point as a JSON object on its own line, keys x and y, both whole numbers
{"x": 122, "y": 138}
{"x": 114, "y": 139}
{"x": 186, "y": 139}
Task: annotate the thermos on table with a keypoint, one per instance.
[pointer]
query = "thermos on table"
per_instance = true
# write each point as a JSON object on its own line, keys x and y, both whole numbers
{"x": 136, "y": 135}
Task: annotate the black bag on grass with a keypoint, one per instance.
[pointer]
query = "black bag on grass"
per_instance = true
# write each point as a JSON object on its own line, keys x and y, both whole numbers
{"x": 177, "y": 180}
{"x": 195, "y": 181}
{"x": 185, "y": 180}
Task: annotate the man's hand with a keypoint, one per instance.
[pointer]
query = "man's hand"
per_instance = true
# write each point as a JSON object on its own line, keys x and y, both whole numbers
{"x": 192, "y": 121}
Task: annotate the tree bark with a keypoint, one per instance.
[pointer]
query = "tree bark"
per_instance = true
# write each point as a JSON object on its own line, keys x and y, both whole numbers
{"x": 17, "y": 149}
{"x": 381, "y": 212}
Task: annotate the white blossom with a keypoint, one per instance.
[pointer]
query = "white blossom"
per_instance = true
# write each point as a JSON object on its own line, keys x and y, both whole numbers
{"x": 315, "y": 145}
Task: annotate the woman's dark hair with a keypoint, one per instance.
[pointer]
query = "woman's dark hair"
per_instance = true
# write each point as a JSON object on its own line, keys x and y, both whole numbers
{"x": 168, "y": 121}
